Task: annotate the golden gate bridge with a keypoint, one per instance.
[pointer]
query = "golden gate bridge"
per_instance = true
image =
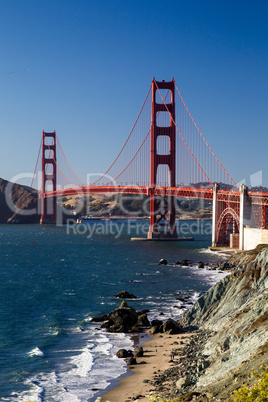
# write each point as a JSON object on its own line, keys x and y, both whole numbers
{"x": 165, "y": 155}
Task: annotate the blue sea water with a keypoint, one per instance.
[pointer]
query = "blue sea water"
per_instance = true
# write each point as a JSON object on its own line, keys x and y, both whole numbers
{"x": 53, "y": 280}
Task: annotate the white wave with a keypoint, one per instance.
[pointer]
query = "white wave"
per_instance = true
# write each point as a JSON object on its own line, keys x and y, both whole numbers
{"x": 208, "y": 276}
{"x": 225, "y": 254}
{"x": 35, "y": 352}
{"x": 83, "y": 363}
{"x": 33, "y": 394}
{"x": 76, "y": 379}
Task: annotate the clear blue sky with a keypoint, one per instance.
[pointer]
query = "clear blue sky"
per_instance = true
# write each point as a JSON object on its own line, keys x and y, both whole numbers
{"x": 83, "y": 68}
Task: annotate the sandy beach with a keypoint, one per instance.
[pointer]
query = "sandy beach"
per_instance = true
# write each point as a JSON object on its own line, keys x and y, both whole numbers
{"x": 157, "y": 357}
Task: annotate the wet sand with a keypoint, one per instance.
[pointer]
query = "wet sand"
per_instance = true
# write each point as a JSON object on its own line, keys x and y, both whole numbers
{"x": 158, "y": 357}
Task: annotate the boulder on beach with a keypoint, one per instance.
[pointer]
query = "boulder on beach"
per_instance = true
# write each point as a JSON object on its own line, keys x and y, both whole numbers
{"x": 138, "y": 352}
{"x": 125, "y": 295}
{"x": 131, "y": 361}
{"x": 123, "y": 353}
{"x": 172, "y": 327}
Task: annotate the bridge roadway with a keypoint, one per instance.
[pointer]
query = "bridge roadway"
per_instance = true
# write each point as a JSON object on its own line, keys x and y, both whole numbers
{"x": 257, "y": 198}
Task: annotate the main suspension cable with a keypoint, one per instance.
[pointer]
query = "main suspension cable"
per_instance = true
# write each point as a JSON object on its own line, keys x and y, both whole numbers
{"x": 204, "y": 137}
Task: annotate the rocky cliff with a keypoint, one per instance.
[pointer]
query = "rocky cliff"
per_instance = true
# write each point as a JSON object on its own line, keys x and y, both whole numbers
{"x": 15, "y": 203}
{"x": 234, "y": 315}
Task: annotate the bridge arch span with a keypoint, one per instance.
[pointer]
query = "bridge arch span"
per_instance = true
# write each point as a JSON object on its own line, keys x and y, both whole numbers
{"x": 228, "y": 223}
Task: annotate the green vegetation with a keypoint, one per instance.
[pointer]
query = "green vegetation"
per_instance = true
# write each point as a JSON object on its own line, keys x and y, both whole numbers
{"x": 255, "y": 393}
{"x": 258, "y": 392}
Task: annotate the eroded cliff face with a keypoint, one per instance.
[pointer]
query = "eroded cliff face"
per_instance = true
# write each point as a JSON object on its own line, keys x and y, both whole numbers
{"x": 235, "y": 312}
{"x": 16, "y": 202}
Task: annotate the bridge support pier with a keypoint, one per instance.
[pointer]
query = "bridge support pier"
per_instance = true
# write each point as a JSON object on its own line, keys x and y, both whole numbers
{"x": 245, "y": 213}
{"x": 49, "y": 178}
{"x": 162, "y": 218}
{"x": 214, "y": 215}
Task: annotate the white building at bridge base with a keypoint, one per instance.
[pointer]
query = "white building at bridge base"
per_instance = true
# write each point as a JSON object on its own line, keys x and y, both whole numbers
{"x": 234, "y": 220}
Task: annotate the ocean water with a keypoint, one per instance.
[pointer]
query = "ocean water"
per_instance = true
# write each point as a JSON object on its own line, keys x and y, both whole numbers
{"x": 55, "y": 279}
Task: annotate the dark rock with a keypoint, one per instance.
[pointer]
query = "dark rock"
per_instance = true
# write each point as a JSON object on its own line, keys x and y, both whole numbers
{"x": 123, "y": 353}
{"x": 131, "y": 361}
{"x": 121, "y": 319}
{"x": 226, "y": 344}
{"x": 143, "y": 312}
{"x": 185, "y": 263}
{"x": 156, "y": 322}
{"x": 107, "y": 324}
{"x": 172, "y": 327}
{"x": 203, "y": 365}
{"x": 141, "y": 323}
{"x": 224, "y": 266}
{"x": 100, "y": 319}
{"x": 125, "y": 295}
{"x": 162, "y": 262}
{"x": 201, "y": 264}
{"x": 177, "y": 263}
{"x": 156, "y": 329}
{"x": 143, "y": 320}
{"x": 138, "y": 352}
{"x": 180, "y": 299}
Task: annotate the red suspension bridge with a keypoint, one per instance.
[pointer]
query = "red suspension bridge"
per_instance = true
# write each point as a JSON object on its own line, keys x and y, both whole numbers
{"x": 165, "y": 155}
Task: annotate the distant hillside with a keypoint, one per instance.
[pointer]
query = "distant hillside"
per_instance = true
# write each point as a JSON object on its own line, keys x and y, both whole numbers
{"x": 14, "y": 199}
{"x": 131, "y": 204}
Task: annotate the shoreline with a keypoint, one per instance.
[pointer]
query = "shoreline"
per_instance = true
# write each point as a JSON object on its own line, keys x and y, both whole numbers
{"x": 137, "y": 383}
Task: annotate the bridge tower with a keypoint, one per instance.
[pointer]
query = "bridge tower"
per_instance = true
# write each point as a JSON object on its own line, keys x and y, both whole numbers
{"x": 49, "y": 177}
{"x": 165, "y": 217}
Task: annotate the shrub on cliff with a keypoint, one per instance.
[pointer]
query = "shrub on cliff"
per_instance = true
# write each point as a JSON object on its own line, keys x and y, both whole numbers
{"x": 258, "y": 392}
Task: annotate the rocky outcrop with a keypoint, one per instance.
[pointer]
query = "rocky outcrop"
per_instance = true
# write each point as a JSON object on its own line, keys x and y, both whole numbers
{"x": 138, "y": 352}
{"x": 230, "y": 338}
{"x": 125, "y": 295}
{"x": 170, "y": 326}
{"x": 235, "y": 314}
{"x": 124, "y": 319}
{"x": 123, "y": 353}
{"x": 163, "y": 261}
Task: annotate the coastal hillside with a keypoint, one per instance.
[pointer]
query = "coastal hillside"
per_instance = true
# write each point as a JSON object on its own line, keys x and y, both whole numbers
{"x": 132, "y": 204}
{"x": 234, "y": 316}
{"x": 15, "y": 198}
